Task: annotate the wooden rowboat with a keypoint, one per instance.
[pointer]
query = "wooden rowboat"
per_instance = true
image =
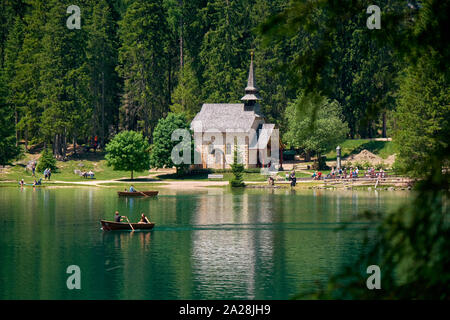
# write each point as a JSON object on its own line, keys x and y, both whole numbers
{"x": 137, "y": 194}
{"x": 111, "y": 225}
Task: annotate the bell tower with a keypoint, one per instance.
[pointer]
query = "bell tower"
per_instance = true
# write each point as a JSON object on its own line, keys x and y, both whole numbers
{"x": 251, "y": 97}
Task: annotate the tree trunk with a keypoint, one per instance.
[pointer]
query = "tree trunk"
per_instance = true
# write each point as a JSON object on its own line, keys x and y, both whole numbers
{"x": 64, "y": 151}
{"x": 307, "y": 156}
{"x": 131, "y": 174}
{"x": 74, "y": 142}
{"x": 61, "y": 143}
{"x": 55, "y": 143}
{"x": 102, "y": 128}
{"x": 17, "y": 131}
{"x": 26, "y": 140}
{"x": 146, "y": 124}
{"x": 384, "y": 125}
{"x": 181, "y": 36}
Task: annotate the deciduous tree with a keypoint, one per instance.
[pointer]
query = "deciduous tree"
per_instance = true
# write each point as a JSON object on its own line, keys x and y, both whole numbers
{"x": 128, "y": 151}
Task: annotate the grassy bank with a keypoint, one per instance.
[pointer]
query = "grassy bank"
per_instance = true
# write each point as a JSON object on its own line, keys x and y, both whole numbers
{"x": 96, "y": 163}
{"x": 65, "y": 170}
{"x": 354, "y": 146}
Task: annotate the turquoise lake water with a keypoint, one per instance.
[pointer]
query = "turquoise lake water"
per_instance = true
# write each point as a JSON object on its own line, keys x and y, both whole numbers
{"x": 207, "y": 243}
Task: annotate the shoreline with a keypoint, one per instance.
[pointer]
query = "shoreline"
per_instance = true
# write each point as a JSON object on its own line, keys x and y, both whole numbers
{"x": 399, "y": 183}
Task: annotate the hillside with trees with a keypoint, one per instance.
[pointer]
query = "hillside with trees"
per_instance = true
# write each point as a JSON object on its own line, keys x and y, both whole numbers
{"x": 133, "y": 62}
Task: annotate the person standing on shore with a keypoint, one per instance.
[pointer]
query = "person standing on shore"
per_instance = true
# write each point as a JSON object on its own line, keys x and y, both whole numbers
{"x": 293, "y": 179}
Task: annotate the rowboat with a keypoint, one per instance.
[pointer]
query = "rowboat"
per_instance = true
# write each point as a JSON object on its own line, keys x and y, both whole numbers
{"x": 137, "y": 194}
{"x": 111, "y": 225}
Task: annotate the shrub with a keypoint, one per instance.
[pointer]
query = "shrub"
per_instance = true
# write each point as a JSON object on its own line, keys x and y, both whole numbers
{"x": 46, "y": 161}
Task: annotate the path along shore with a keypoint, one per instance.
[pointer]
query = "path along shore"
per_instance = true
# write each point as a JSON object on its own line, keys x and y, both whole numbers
{"x": 398, "y": 182}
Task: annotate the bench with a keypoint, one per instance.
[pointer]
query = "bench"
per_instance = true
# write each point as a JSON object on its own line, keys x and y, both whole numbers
{"x": 215, "y": 176}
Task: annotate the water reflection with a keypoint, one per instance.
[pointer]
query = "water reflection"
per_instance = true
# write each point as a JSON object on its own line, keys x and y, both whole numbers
{"x": 213, "y": 244}
{"x": 121, "y": 239}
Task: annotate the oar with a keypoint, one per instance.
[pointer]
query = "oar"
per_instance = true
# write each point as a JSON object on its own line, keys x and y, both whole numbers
{"x": 130, "y": 224}
{"x": 142, "y": 193}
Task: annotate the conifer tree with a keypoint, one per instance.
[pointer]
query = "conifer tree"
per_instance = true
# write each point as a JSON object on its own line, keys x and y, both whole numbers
{"x": 237, "y": 169}
{"x": 225, "y": 50}
{"x": 101, "y": 59}
{"x": 8, "y": 148}
{"x": 143, "y": 65}
{"x": 64, "y": 80}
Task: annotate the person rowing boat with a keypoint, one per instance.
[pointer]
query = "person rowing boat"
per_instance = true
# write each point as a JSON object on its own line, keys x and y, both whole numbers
{"x": 117, "y": 217}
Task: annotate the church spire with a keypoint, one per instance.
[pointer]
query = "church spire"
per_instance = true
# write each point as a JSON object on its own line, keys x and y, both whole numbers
{"x": 251, "y": 91}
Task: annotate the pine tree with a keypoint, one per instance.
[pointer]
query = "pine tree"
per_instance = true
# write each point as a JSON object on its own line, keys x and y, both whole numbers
{"x": 275, "y": 90}
{"x": 225, "y": 50}
{"x": 101, "y": 55}
{"x": 26, "y": 82}
{"x": 237, "y": 169}
{"x": 8, "y": 148}
{"x": 187, "y": 95}
{"x": 422, "y": 116}
{"x": 12, "y": 49}
{"x": 143, "y": 65}
{"x": 46, "y": 161}
{"x": 10, "y": 11}
{"x": 64, "y": 80}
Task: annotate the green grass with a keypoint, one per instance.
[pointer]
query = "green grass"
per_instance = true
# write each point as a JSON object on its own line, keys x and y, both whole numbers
{"x": 65, "y": 172}
{"x": 96, "y": 163}
{"x": 353, "y": 146}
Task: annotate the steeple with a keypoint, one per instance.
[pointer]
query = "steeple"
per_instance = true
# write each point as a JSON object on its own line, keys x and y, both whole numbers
{"x": 251, "y": 91}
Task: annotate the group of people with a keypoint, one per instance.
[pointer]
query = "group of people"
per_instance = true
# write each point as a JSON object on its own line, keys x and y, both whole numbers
{"x": 47, "y": 173}
{"x": 119, "y": 218}
{"x": 344, "y": 173}
{"x": 291, "y": 177}
{"x": 348, "y": 173}
{"x": 35, "y": 183}
{"x": 371, "y": 173}
{"x": 316, "y": 175}
{"x": 88, "y": 174}
{"x": 337, "y": 174}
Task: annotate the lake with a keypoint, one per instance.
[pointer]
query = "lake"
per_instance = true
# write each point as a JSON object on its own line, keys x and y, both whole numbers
{"x": 207, "y": 243}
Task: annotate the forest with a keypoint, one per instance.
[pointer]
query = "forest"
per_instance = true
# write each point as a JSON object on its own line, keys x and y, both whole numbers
{"x": 132, "y": 62}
